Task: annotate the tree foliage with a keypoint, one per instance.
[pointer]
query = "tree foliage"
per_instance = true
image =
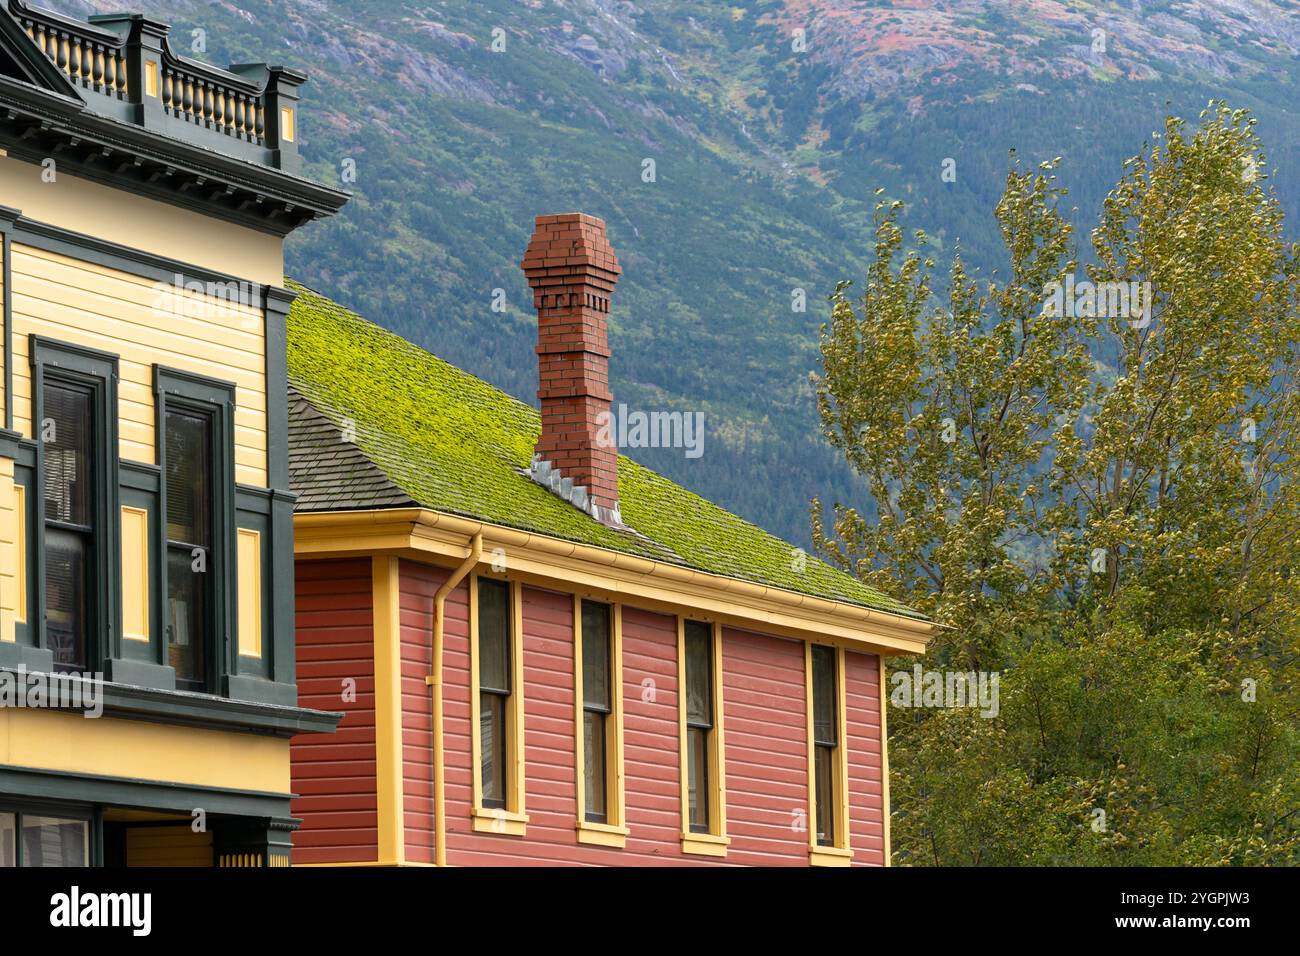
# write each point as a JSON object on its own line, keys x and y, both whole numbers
{"x": 1100, "y": 505}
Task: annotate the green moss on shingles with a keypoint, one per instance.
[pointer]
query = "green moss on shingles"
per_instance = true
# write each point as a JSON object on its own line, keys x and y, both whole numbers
{"x": 456, "y": 444}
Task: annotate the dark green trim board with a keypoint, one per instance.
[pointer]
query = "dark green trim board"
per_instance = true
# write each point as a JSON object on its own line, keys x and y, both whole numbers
{"x": 146, "y": 665}
{"x": 26, "y": 647}
{"x": 270, "y": 513}
{"x": 283, "y": 624}
{"x": 98, "y": 371}
{"x": 181, "y": 390}
{"x": 23, "y": 782}
{"x": 278, "y": 304}
{"x": 112, "y": 255}
{"x": 188, "y": 709}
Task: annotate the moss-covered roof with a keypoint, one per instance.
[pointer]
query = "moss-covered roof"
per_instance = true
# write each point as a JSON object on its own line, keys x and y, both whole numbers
{"x": 454, "y": 443}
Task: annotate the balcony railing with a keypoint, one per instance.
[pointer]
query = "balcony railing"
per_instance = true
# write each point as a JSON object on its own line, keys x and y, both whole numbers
{"x": 125, "y": 63}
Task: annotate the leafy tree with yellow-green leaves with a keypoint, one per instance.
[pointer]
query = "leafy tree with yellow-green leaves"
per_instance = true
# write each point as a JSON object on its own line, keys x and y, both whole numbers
{"x": 1099, "y": 503}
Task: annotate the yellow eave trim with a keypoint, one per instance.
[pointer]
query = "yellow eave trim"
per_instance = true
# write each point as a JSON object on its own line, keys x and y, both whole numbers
{"x": 424, "y": 534}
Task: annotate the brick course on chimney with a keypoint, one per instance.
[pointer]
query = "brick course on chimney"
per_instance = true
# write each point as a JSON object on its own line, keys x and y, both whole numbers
{"x": 572, "y": 270}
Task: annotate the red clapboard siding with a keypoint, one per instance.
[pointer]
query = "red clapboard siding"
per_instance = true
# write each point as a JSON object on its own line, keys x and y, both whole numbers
{"x": 862, "y": 716}
{"x": 766, "y": 737}
{"x": 651, "y": 747}
{"x": 334, "y": 774}
{"x": 763, "y": 687}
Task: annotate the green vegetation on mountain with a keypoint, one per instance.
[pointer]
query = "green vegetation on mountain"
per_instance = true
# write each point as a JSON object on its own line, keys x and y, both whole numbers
{"x": 768, "y": 146}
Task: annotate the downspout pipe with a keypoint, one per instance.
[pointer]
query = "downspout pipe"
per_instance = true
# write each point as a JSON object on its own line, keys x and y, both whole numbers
{"x": 434, "y": 681}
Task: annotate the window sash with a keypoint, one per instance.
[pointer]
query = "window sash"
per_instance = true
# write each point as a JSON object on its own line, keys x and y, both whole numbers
{"x": 698, "y": 785}
{"x": 190, "y": 478}
{"x": 824, "y": 775}
{"x": 41, "y": 838}
{"x": 188, "y": 617}
{"x": 69, "y": 466}
{"x": 494, "y": 769}
{"x": 495, "y": 636}
{"x": 68, "y": 597}
{"x": 597, "y": 641}
{"x": 699, "y": 674}
{"x": 825, "y": 697}
{"x": 68, "y": 508}
{"x": 595, "y": 766}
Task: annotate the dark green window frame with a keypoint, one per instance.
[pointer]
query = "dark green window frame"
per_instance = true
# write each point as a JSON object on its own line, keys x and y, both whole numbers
{"x": 95, "y": 372}
{"x": 13, "y": 845}
{"x": 212, "y": 400}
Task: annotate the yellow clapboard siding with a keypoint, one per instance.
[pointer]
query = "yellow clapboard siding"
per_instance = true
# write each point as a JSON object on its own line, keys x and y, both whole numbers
{"x": 144, "y": 323}
{"x": 138, "y": 345}
{"x": 123, "y": 320}
{"x": 168, "y": 846}
{"x": 123, "y": 287}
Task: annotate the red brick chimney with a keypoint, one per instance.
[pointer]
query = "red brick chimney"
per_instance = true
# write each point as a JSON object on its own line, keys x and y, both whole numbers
{"x": 572, "y": 270}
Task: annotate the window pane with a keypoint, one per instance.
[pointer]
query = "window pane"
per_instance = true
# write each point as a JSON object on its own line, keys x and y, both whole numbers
{"x": 492, "y": 749}
{"x": 189, "y": 471}
{"x": 65, "y": 596}
{"x": 595, "y": 655}
{"x": 699, "y": 674}
{"x": 51, "y": 841}
{"x": 494, "y": 635}
{"x": 186, "y": 616}
{"x": 594, "y": 766}
{"x": 697, "y": 764}
{"x": 7, "y": 836}
{"x": 825, "y": 724}
{"x": 65, "y": 444}
{"x": 824, "y": 772}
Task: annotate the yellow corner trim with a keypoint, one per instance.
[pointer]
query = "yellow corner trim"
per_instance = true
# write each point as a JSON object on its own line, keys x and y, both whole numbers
{"x": 389, "y": 792}
{"x": 498, "y": 821}
{"x": 829, "y": 856}
{"x": 602, "y": 834}
{"x": 705, "y": 844}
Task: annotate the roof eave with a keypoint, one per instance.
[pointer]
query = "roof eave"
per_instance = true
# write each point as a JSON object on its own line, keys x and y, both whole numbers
{"x": 37, "y": 124}
{"x": 438, "y": 537}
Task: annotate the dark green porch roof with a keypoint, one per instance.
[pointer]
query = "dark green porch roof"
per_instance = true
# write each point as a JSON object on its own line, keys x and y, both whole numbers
{"x": 378, "y": 422}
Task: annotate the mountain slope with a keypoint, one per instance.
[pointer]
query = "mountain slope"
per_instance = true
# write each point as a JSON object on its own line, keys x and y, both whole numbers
{"x": 464, "y": 120}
